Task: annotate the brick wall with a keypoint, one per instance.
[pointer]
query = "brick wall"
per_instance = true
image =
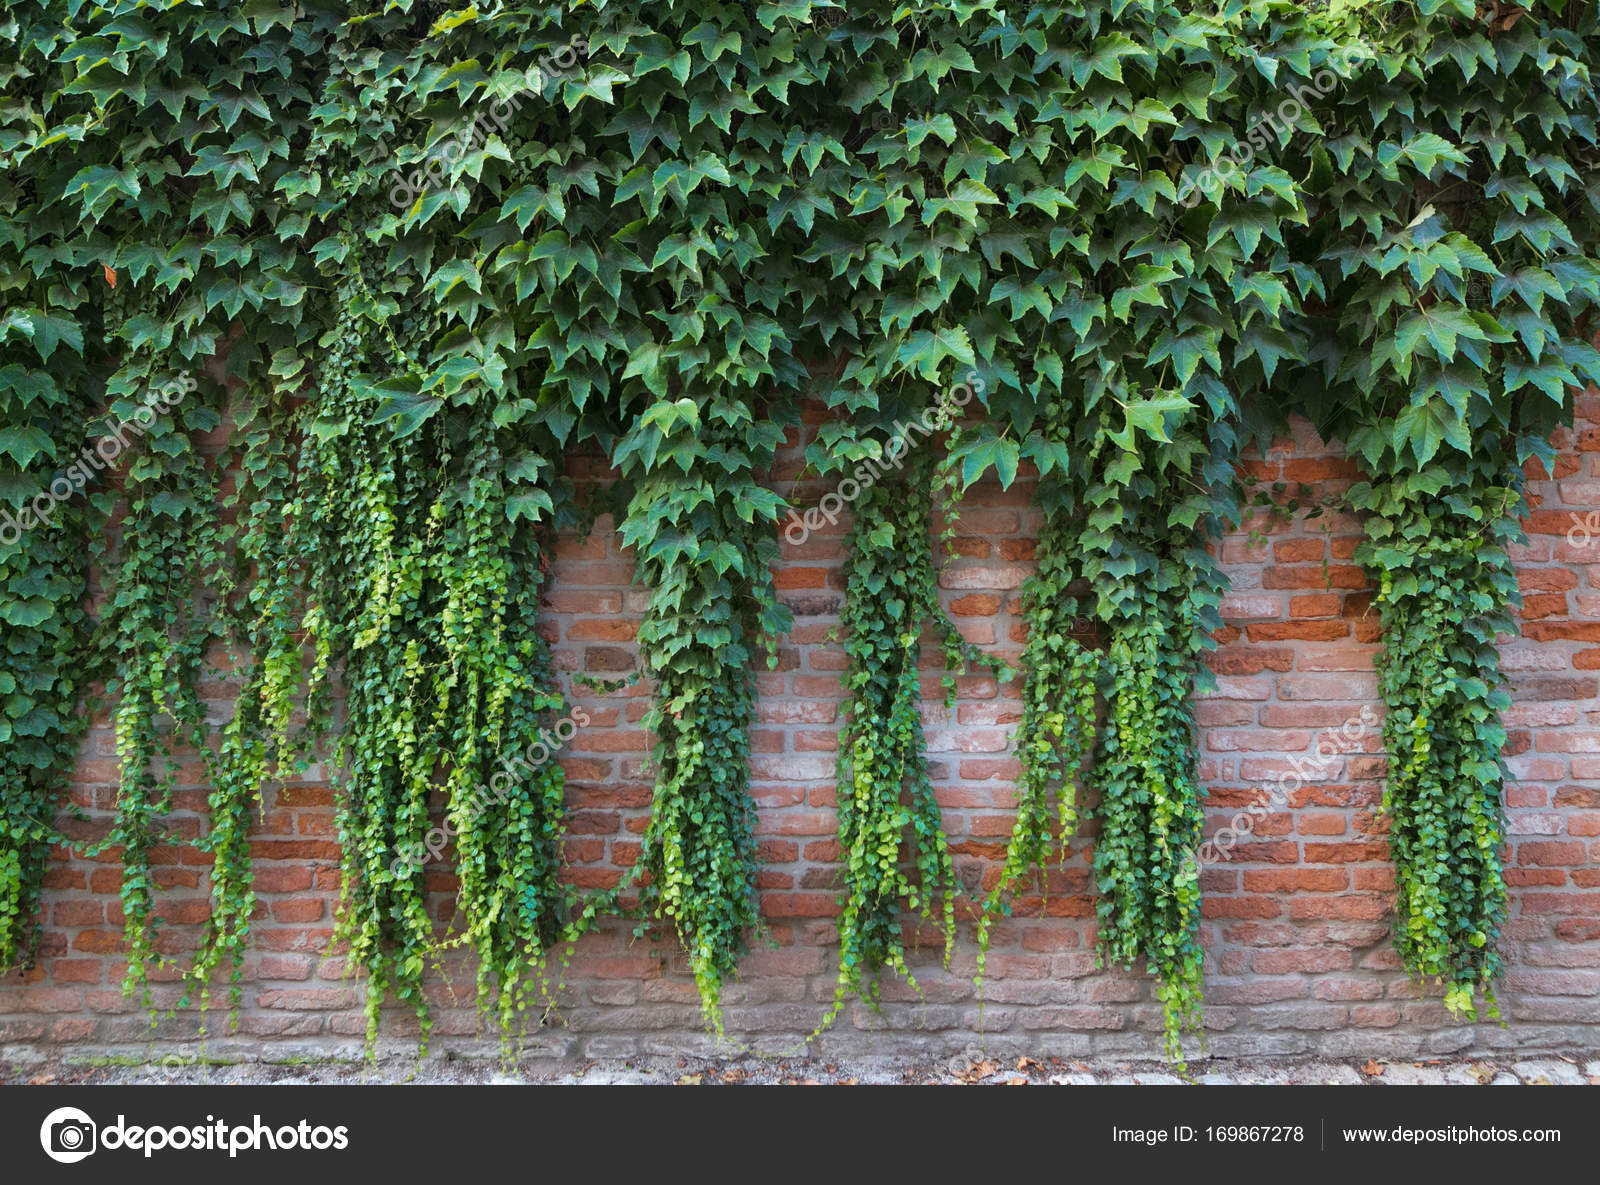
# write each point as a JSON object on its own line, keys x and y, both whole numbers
{"x": 1297, "y": 901}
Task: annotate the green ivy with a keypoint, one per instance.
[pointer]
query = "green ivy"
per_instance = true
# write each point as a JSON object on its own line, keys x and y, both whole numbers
{"x": 1056, "y": 734}
{"x": 1456, "y": 240}
{"x": 413, "y": 255}
{"x": 257, "y": 743}
{"x": 1444, "y": 586}
{"x": 44, "y": 395}
{"x": 703, "y": 530}
{"x": 891, "y": 836}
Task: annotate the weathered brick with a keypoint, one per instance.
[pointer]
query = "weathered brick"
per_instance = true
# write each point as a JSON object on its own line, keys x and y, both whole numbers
{"x": 1279, "y": 962}
{"x": 1296, "y": 880}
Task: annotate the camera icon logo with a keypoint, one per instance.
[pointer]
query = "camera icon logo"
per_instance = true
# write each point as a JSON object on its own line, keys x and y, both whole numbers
{"x": 68, "y": 1135}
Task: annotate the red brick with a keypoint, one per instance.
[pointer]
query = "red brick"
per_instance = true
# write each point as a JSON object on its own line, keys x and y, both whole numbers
{"x": 1543, "y": 605}
{"x": 1565, "y": 855}
{"x": 300, "y": 849}
{"x": 1250, "y": 660}
{"x": 1336, "y": 658}
{"x": 799, "y": 905}
{"x": 1562, "y": 631}
{"x": 1315, "y": 578}
{"x": 1297, "y": 551}
{"x": 1280, "y": 962}
{"x": 800, "y": 578}
{"x": 1308, "y": 824}
{"x": 77, "y": 970}
{"x": 1284, "y": 631}
{"x": 975, "y": 605}
{"x": 48, "y": 1000}
{"x": 797, "y": 712}
{"x": 1315, "y": 605}
{"x": 304, "y": 910}
{"x": 78, "y": 913}
{"x": 1296, "y": 880}
{"x": 1350, "y": 909}
{"x": 1017, "y": 549}
{"x": 1239, "y": 907}
{"x": 285, "y": 967}
{"x": 1344, "y": 853}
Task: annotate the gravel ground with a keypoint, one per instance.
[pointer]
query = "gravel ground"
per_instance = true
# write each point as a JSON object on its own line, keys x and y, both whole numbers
{"x": 971, "y": 1069}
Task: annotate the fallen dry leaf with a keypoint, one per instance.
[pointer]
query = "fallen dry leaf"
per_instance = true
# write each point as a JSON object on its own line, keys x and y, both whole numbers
{"x": 690, "y": 1080}
{"x": 977, "y": 1071}
{"x": 1025, "y": 1064}
{"x": 1017, "y": 1080}
{"x": 1541, "y": 1080}
{"x": 1372, "y": 1069}
{"x": 1483, "y": 1072}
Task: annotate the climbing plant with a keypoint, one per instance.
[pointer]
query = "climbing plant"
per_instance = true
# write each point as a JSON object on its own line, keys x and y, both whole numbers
{"x": 382, "y": 265}
{"x": 1456, "y": 241}
{"x": 158, "y": 628}
{"x": 706, "y": 548}
{"x": 257, "y": 744}
{"x": 46, "y": 392}
{"x": 1151, "y": 298}
{"x": 1444, "y": 587}
{"x": 422, "y": 503}
{"x": 708, "y": 366}
{"x": 1056, "y": 733}
{"x": 49, "y": 363}
{"x": 891, "y": 835}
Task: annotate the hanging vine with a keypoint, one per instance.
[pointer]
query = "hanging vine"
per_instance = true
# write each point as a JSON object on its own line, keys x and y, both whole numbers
{"x": 370, "y": 494}
{"x": 1445, "y": 583}
{"x": 159, "y": 627}
{"x": 448, "y": 688}
{"x": 1458, "y": 323}
{"x": 41, "y": 682}
{"x": 706, "y": 549}
{"x": 257, "y": 745}
{"x": 50, "y": 361}
{"x": 1154, "y": 593}
{"x": 891, "y": 833}
{"x": 1149, "y": 810}
{"x": 1142, "y": 345}
{"x": 1055, "y": 736}
{"x": 43, "y": 594}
